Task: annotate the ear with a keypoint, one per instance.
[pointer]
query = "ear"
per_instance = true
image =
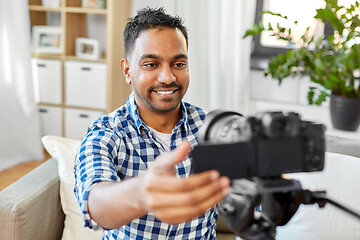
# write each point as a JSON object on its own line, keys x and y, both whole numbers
{"x": 125, "y": 67}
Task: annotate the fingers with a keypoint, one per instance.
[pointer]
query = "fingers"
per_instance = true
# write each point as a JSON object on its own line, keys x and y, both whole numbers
{"x": 192, "y": 197}
{"x": 167, "y": 161}
{"x": 176, "y": 215}
{"x": 174, "y": 184}
{"x": 189, "y": 198}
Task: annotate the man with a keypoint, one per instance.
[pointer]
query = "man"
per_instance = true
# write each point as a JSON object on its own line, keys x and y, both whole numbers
{"x": 132, "y": 169}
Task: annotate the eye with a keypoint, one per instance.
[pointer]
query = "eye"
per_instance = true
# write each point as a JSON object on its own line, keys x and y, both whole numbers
{"x": 149, "y": 65}
{"x": 180, "y": 64}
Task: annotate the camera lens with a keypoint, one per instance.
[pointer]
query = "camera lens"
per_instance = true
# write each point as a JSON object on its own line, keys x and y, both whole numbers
{"x": 225, "y": 127}
{"x": 230, "y": 129}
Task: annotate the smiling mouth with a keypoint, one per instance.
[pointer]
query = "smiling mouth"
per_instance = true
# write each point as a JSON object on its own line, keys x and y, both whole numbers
{"x": 165, "y": 92}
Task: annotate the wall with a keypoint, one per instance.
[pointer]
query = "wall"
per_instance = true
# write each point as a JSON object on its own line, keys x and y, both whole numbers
{"x": 291, "y": 95}
{"x": 267, "y": 95}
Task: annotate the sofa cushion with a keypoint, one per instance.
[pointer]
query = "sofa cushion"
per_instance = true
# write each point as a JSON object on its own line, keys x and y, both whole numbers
{"x": 30, "y": 207}
{"x": 340, "y": 179}
{"x": 342, "y": 145}
{"x": 64, "y": 150}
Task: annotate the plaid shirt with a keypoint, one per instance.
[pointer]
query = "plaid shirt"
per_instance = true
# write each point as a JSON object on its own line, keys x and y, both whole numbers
{"x": 120, "y": 146}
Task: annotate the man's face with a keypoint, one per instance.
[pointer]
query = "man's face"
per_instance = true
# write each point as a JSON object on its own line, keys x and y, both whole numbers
{"x": 158, "y": 69}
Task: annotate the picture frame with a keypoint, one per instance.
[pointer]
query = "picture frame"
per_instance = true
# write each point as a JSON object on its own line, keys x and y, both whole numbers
{"x": 50, "y": 3}
{"x": 100, "y": 4}
{"x": 47, "y": 39}
{"x": 87, "y": 48}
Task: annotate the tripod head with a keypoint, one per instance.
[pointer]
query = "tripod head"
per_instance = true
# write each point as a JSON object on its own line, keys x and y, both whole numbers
{"x": 253, "y": 209}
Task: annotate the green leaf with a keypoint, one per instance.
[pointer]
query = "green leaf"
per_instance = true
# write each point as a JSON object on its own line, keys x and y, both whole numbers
{"x": 321, "y": 98}
{"x": 270, "y": 27}
{"x": 249, "y": 32}
{"x": 310, "y": 95}
{"x": 257, "y": 29}
{"x": 352, "y": 8}
{"x": 314, "y": 79}
{"x": 261, "y": 26}
{"x": 328, "y": 15}
{"x": 319, "y": 63}
{"x": 355, "y": 22}
{"x": 283, "y": 38}
{"x": 274, "y": 14}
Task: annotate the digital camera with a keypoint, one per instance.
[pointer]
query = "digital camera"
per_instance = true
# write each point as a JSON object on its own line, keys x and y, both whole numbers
{"x": 265, "y": 145}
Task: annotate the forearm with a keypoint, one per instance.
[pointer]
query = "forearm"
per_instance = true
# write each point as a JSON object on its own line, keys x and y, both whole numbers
{"x": 112, "y": 205}
{"x": 171, "y": 199}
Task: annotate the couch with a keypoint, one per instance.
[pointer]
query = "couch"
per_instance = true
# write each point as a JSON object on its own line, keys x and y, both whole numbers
{"x": 41, "y": 204}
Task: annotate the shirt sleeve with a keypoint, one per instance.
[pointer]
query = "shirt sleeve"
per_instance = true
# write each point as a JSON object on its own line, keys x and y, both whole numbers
{"x": 95, "y": 163}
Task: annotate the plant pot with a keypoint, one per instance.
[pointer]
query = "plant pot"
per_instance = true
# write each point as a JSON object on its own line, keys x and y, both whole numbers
{"x": 345, "y": 112}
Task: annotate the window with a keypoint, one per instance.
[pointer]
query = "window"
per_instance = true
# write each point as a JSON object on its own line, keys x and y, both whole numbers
{"x": 266, "y": 46}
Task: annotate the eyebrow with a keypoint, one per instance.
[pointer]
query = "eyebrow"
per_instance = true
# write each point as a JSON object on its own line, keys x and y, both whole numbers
{"x": 179, "y": 56}
{"x": 149, "y": 56}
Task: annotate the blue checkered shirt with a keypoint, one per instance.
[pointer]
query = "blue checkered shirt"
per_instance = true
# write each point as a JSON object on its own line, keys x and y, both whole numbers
{"x": 120, "y": 146}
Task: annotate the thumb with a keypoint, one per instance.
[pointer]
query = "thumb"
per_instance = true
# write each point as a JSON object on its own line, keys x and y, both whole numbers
{"x": 168, "y": 160}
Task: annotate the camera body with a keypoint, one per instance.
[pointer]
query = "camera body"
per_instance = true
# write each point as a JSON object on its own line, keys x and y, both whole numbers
{"x": 265, "y": 145}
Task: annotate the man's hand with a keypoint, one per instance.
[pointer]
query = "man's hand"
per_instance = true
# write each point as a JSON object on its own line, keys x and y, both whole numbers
{"x": 175, "y": 200}
{"x": 159, "y": 191}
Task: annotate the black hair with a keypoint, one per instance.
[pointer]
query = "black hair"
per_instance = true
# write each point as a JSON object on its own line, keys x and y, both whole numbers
{"x": 149, "y": 18}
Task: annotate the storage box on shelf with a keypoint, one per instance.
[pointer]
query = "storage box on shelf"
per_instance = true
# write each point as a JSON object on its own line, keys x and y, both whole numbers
{"x": 47, "y": 75}
{"x": 77, "y": 121}
{"x": 51, "y": 120}
{"x": 85, "y": 84}
{"x": 80, "y": 85}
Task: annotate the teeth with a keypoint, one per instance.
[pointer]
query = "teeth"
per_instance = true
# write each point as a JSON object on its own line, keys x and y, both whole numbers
{"x": 165, "y": 92}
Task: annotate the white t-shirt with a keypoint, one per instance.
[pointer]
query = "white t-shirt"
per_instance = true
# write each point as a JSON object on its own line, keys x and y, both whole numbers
{"x": 164, "y": 138}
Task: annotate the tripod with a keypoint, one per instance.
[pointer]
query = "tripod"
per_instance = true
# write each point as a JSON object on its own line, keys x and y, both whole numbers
{"x": 253, "y": 209}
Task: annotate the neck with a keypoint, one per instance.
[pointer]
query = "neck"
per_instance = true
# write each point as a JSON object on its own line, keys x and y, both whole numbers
{"x": 163, "y": 122}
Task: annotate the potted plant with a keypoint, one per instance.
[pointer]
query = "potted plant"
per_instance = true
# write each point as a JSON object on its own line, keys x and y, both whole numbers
{"x": 332, "y": 62}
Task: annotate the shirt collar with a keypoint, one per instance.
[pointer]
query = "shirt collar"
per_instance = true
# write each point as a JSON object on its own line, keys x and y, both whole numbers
{"x": 141, "y": 126}
{"x": 134, "y": 114}
{"x": 184, "y": 121}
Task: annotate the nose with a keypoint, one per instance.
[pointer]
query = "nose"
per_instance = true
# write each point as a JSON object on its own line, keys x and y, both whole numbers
{"x": 166, "y": 75}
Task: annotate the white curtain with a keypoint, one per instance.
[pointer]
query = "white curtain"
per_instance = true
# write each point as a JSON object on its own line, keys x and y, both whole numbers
{"x": 20, "y": 131}
{"x": 219, "y": 57}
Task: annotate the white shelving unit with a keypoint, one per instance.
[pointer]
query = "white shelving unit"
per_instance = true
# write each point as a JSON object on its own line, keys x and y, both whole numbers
{"x": 68, "y": 88}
